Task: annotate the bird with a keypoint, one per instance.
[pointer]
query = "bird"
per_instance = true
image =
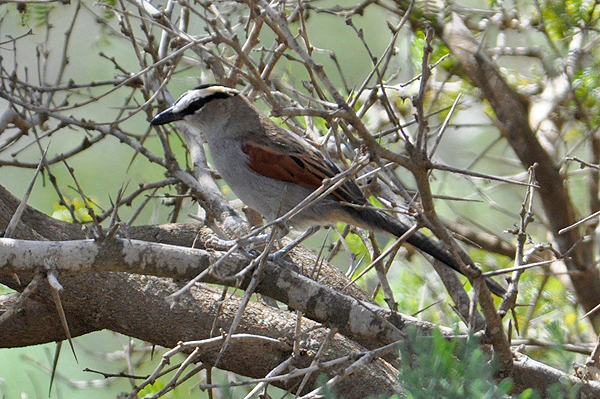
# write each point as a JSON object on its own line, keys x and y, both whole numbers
{"x": 271, "y": 169}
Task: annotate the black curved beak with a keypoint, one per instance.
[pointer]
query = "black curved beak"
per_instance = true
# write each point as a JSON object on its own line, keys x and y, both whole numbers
{"x": 166, "y": 116}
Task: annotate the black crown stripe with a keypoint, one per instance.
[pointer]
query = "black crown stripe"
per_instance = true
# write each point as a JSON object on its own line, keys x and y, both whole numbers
{"x": 202, "y": 101}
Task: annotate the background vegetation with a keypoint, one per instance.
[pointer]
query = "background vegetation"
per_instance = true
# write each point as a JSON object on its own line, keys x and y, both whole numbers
{"x": 479, "y": 120}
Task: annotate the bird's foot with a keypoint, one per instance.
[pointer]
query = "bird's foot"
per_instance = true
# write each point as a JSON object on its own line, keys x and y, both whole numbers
{"x": 221, "y": 244}
{"x": 280, "y": 254}
{"x": 217, "y": 243}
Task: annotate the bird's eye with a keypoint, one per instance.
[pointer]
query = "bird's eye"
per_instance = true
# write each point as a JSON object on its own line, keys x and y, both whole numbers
{"x": 195, "y": 105}
{"x": 202, "y": 99}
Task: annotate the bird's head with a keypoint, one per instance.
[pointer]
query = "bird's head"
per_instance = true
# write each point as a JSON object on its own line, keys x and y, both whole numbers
{"x": 192, "y": 102}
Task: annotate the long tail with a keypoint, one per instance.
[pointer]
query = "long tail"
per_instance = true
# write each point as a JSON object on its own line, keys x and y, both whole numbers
{"x": 391, "y": 225}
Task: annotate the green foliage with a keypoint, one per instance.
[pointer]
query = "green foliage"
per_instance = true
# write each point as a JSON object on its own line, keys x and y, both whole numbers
{"x": 356, "y": 245}
{"x": 108, "y": 4}
{"x": 416, "y": 50}
{"x": 561, "y": 18}
{"x": 433, "y": 367}
{"x": 439, "y": 51}
{"x": 325, "y": 390}
{"x": 36, "y": 14}
{"x": 151, "y": 390}
{"x": 81, "y": 213}
{"x": 587, "y": 83}
{"x": 558, "y": 391}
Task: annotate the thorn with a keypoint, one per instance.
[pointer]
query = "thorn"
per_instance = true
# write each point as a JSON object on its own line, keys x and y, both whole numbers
{"x": 54, "y": 365}
{"x": 55, "y": 289}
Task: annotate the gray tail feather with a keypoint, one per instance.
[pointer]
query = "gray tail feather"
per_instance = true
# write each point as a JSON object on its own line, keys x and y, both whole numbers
{"x": 391, "y": 225}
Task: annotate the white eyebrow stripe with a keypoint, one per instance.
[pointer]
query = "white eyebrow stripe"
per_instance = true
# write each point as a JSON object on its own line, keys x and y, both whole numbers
{"x": 193, "y": 95}
{"x": 186, "y": 98}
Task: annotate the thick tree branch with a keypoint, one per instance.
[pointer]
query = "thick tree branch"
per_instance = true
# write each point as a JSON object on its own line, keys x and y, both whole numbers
{"x": 136, "y": 306}
{"x": 353, "y": 318}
